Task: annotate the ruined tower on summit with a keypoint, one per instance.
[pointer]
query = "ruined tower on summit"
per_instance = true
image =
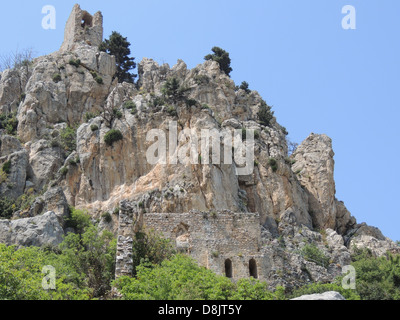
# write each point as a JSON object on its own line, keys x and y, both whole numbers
{"x": 82, "y": 27}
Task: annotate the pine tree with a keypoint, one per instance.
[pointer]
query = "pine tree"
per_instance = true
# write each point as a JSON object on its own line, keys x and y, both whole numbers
{"x": 118, "y": 46}
{"x": 222, "y": 57}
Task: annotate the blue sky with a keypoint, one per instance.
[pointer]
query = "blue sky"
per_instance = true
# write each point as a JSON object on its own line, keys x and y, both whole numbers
{"x": 319, "y": 77}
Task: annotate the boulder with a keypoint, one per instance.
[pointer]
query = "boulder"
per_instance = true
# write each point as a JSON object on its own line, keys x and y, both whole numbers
{"x": 330, "y": 296}
{"x": 38, "y": 231}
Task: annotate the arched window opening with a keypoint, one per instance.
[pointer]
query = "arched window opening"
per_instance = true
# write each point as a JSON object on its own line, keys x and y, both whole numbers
{"x": 253, "y": 269}
{"x": 87, "y": 20}
{"x": 228, "y": 268}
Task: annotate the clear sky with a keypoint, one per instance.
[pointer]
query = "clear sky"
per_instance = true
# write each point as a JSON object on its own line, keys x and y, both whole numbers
{"x": 319, "y": 77}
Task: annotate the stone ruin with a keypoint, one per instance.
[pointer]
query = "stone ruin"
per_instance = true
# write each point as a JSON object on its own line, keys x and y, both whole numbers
{"x": 82, "y": 27}
{"x": 225, "y": 242}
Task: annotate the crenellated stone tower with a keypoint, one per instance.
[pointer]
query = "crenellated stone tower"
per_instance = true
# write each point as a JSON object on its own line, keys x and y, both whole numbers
{"x": 82, "y": 27}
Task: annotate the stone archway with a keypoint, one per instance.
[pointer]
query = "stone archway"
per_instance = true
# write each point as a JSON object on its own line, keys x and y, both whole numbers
{"x": 253, "y": 269}
{"x": 87, "y": 20}
{"x": 228, "y": 268}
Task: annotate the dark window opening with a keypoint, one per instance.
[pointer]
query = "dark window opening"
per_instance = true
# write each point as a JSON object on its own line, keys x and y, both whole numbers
{"x": 87, "y": 20}
{"x": 253, "y": 269}
{"x": 228, "y": 268}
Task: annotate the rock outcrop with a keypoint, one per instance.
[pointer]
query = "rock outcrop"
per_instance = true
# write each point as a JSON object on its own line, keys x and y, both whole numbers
{"x": 38, "y": 231}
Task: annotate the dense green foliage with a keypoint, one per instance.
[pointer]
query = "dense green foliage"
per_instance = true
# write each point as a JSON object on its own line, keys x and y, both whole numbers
{"x": 9, "y": 123}
{"x": 265, "y": 114}
{"x": 66, "y": 140}
{"x": 150, "y": 247}
{"x": 222, "y": 57}
{"x": 7, "y": 208}
{"x": 113, "y": 136}
{"x": 118, "y": 46}
{"x": 173, "y": 90}
{"x": 84, "y": 264}
{"x": 312, "y": 253}
{"x": 7, "y": 167}
{"x": 245, "y": 86}
{"x": 273, "y": 163}
{"x": 180, "y": 278}
{"x": 377, "y": 278}
{"x": 21, "y": 276}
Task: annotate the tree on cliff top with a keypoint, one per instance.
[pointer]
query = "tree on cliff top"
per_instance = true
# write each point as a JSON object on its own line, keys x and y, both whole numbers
{"x": 118, "y": 46}
{"x": 222, "y": 57}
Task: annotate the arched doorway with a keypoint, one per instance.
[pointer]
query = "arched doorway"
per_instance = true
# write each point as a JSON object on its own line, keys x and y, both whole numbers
{"x": 228, "y": 268}
{"x": 253, "y": 269}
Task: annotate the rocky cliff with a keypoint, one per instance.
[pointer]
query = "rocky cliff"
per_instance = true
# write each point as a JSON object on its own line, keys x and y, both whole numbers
{"x": 74, "y": 87}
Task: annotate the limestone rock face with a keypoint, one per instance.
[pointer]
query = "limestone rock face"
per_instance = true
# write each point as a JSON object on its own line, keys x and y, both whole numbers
{"x": 315, "y": 170}
{"x": 37, "y": 231}
{"x": 59, "y": 92}
{"x": 107, "y": 175}
{"x": 12, "y": 152}
{"x": 367, "y": 237}
{"x": 44, "y": 162}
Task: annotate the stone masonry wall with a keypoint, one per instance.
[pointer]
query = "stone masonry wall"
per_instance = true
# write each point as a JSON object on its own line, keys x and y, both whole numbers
{"x": 225, "y": 242}
{"x": 213, "y": 238}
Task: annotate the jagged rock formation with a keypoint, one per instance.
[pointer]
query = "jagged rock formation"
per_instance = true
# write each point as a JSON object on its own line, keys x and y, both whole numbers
{"x": 294, "y": 198}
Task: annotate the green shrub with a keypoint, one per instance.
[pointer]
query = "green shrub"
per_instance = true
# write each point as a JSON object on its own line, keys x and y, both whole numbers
{"x": 173, "y": 90}
{"x": 68, "y": 139}
{"x": 106, "y": 216}
{"x": 7, "y": 167}
{"x": 149, "y": 246}
{"x": 158, "y": 102}
{"x": 265, "y": 115}
{"x": 171, "y": 110}
{"x": 94, "y": 127}
{"x": 94, "y": 74}
{"x": 57, "y": 77}
{"x": 113, "y": 136}
{"x": 75, "y": 63}
{"x": 118, "y": 114}
{"x": 90, "y": 115}
{"x": 201, "y": 79}
{"x": 245, "y": 86}
{"x": 129, "y": 105}
{"x": 9, "y": 122}
{"x": 99, "y": 80}
{"x": 7, "y": 208}
{"x": 64, "y": 171}
{"x": 312, "y": 253}
{"x": 191, "y": 102}
{"x": 273, "y": 163}
{"x": 74, "y": 162}
{"x": 79, "y": 220}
